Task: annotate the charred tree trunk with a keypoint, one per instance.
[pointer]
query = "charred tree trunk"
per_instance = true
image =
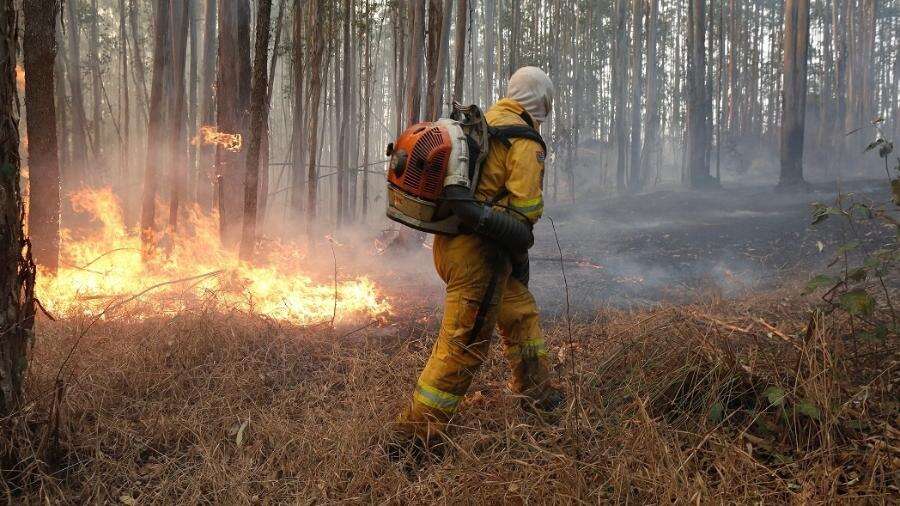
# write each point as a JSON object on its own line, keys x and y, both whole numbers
{"x": 62, "y": 127}
{"x": 17, "y": 274}
{"x": 193, "y": 78}
{"x": 793, "y": 99}
{"x": 259, "y": 113}
{"x": 698, "y": 106}
{"x": 206, "y": 172}
{"x": 161, "y": 55}
{"x": 232, "y": 103}
{"x": 39, "y": 45}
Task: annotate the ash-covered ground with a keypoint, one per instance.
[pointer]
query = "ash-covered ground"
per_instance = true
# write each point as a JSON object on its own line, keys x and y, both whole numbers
{"x": 669, "y": 245}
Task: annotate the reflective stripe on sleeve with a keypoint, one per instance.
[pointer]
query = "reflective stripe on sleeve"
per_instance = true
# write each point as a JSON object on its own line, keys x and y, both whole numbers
{"x": 437, "y": 399}
{"x": 532, "y": 208}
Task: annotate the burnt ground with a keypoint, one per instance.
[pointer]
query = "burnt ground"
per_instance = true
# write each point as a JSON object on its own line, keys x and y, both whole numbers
{"x": 673, "y": 245}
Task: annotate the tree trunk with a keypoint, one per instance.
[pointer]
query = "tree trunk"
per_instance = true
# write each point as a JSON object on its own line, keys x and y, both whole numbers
{"x": 414, "y": 67}
{"x": 793, "y": 98}
{"x": 462, "y": 10}
{"x": 177, "y": 142}
{"x": 298, "y": 145}
{"x": 138, "y": 58}
{"x": 96, "y": 83}
{"x": 652, "y": 131}
{"x": 206, "y": 172}
{"x": 232, "y": 103}
{"x": 39, "y": 45}
{"x": 79, "y": 120}
{"x": 161, "y": 55}
{"x": 489, "y": 47}
{"x": 62, "y": 127}
{"x": 259, "y": 113}
{"x": 317, "y": 44}
{"x": 698, "y": 106}
{"x": 124, "y": 106}
{"x": 619, "y": 71}
{"x": 343, "y": 114}
{"x": 17, "y": 274}
{"x": 193, "y": 78}
{"x": 637, "y": 18}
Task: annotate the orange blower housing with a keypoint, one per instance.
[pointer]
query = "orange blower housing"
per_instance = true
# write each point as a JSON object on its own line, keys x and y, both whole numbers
{"x": 419, "y": 160}
{"x": 429, "y": 157}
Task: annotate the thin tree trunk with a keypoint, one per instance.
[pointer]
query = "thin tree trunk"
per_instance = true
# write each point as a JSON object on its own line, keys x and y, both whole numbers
{"x": 161, "y": 55}
{"x": 96, "y": 82}
{"x": 39, "y": 45}
{"x": 462, "y": 10}
{"x": 317, "y": 44}
{"x": 206, "y": 175}
{"x": 652, "y": 131}
{"x": 62, "y": 128}
{"x": 193, "y": 78}
{"x": 636, "y": 86}
{"x": 298, "y": 146}
{"x": 796, "y": 48}
{"x": 619, "y": 79}
{"x": 17, "y": 274}
{"x": 259, "y": 112}
{"x": 179, "y": 14}
{"x": 124, "y": 105}
{"x": 79, "y": 120}
{"x": 489, "y": 47}
{"x": 414, "y": 67}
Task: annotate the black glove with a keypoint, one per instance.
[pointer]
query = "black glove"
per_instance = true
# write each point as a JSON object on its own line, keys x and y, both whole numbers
{"x": 521, "y": 269}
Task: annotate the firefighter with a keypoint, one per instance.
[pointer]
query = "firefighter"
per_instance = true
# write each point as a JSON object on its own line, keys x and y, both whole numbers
{"x": 487, "y": 282}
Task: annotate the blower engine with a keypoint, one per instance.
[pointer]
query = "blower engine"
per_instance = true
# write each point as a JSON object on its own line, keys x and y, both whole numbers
{"x": 429, "y": 157}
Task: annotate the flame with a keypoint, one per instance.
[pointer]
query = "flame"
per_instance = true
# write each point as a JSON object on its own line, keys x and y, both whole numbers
{"x": 102, "y": 274}
{"x": 210, "y": 135}
{"x": 20, "y": 78}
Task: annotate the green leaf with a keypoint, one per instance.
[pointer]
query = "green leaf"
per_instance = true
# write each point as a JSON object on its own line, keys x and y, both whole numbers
{"x": 775, "y": 396}
{"x": 857, "y": 302}
{"x": 809, "y": 409}
{"x": 716, "y": 412}
{"x": 822, "y": 280}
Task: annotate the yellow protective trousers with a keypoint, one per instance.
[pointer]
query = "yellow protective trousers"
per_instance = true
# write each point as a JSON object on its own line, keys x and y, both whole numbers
{"x": 481, "y": 295}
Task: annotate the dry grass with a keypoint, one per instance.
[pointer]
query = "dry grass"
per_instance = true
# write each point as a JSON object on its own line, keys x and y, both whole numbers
{"x": 669, "y": 404}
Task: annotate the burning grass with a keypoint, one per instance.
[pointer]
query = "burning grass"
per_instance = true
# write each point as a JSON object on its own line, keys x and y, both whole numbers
{"x": 725, "y": 402}
{"x": 102, "y": 271}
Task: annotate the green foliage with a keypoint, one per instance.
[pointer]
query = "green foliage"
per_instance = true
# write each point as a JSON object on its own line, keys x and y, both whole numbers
{"x": 856, "y": 283}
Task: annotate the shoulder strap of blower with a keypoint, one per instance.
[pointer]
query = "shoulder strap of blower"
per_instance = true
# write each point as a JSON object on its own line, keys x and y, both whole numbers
{"x": 507, "y": 132}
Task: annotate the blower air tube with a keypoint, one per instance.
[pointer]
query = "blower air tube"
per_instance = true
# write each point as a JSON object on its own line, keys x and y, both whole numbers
{"x": 483, "y": 220}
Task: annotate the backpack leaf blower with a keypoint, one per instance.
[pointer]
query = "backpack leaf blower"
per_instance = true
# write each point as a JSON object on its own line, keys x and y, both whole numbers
{"x": 433, "y": 173}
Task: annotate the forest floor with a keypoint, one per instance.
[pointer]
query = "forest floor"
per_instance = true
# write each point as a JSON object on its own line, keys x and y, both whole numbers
{"x": 695, "y": 372}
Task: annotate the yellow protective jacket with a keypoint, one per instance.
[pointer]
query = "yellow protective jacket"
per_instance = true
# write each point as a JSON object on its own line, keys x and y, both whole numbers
{"x": 518, "y": 168}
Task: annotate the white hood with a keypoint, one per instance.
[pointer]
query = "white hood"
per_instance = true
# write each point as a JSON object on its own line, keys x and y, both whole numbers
{"x": 532, "y": 89}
